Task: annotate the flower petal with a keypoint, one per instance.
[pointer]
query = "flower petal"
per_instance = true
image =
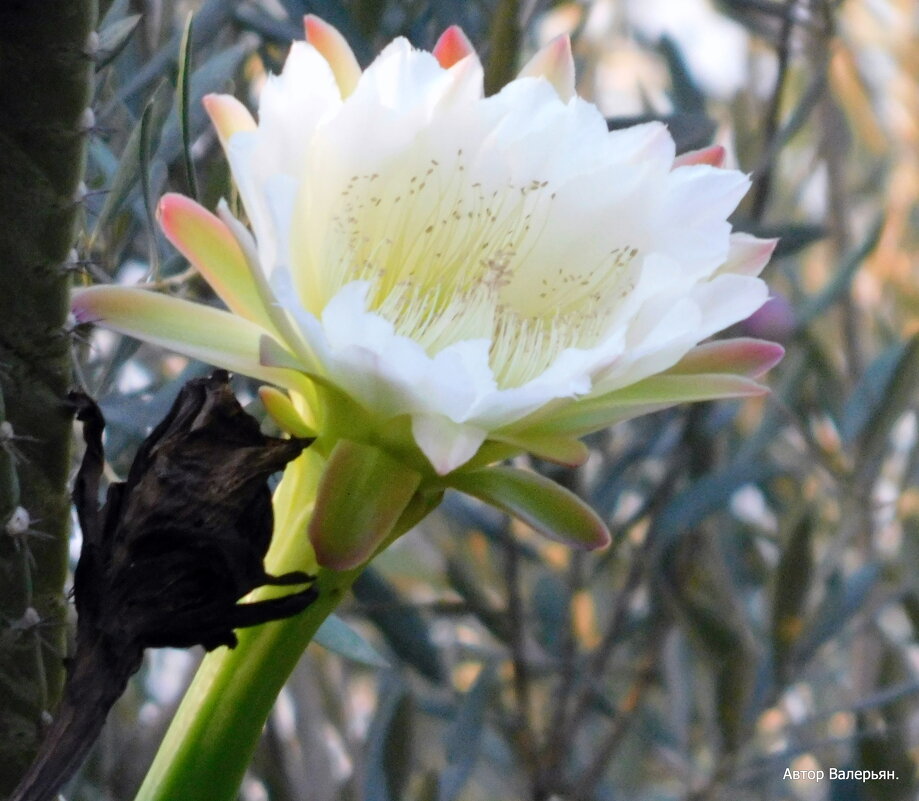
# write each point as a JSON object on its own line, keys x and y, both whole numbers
{"x": 447, "y": 445}
{"x": 210, "y": 246}
{"x": 328, "y": 40}
{"x": 362, "y": 493}
{"x": 537, "y": 501}
{"x": 201, "y": 332}
{"x": 713, "y": 156}
{"x": 555, "y": 63}
{"x": 228, "y": 115}
{"x": 742, "y": 356}
{"x": 748, "y": 254}
{"x": 452, "y": 47}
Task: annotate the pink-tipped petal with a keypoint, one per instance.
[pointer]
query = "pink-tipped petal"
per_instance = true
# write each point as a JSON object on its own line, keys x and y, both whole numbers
{"x": 209, "y": 245}
{"x": 742, "y": 356}
{"x": 452, "y": 46}
{"x": 335, "y": 50}
{"x": 202, "y": 332}
{"x": 228, "y": 115}
{"x": 748, "y": 254}
{"x": 713, "y": 156}
{"x": 555, "y": 63}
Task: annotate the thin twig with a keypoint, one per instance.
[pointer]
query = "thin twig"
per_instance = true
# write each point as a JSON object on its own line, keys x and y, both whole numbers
{"x": 763, "y": 186}
{"x": 554, "y": 747}
{"x": 582, "y": 687}
{"x": 620, "y": 725}
{"x": 521, "y": 680}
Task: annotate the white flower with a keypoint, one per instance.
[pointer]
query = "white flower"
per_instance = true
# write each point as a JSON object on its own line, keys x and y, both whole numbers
{"x": 489, "y": 269}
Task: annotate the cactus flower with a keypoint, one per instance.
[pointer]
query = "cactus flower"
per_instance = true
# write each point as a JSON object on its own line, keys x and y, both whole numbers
{"x": 447, "y": 278}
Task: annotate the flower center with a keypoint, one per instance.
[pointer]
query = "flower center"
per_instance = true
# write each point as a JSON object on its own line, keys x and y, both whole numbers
{"x": 452, "y": 257}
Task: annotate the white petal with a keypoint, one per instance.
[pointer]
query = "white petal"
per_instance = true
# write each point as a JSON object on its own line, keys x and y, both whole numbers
{"x": 447, "y": 445}
{"x": 748, "y": 254}
{"x": 293, "y": 104}
{"x": 728, "y": 299}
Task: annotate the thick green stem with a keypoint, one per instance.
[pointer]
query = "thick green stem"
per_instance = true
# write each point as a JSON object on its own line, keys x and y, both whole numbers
{"x": 45, "y": 90}
{"x": 214, "y": 734}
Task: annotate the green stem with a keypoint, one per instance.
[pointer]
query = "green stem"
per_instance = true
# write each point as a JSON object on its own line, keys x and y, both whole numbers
{"x": 214, "y": 734}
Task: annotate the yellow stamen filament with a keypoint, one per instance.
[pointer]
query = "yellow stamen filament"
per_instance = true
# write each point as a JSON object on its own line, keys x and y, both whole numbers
{"x": 445, "y": 257}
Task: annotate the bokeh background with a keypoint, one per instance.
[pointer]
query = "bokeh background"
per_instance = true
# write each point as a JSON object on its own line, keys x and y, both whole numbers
{"x": 759, "y": 608}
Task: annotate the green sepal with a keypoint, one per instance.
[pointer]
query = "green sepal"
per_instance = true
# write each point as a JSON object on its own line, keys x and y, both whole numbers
{"x": 551, "y": 447}
{"x": 540, "y": 503}
{"x": 362, "y": 494}
{"x": 650, "y": 395}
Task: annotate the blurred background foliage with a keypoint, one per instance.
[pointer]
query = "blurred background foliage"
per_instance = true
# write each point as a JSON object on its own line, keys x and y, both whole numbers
{"x": 759, "y": 608}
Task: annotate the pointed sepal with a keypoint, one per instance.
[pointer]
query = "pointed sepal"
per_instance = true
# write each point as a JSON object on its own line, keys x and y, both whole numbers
{"x": 452, "y": 47}
{"x": 555, "y": 63}
{"x": 650, "y": 395}
{"x": 742, "y": 356}
{"x": 335, "y": 49}
{"x": 540, "y": 503}
{"x": 228, "y": 115}
{"x": 206, "y": 241}
{"x": 713, "y": 156}
{"x": 362, "y": 494}
{"x": 282, "y": 410}
{"x": 566, "y": 451}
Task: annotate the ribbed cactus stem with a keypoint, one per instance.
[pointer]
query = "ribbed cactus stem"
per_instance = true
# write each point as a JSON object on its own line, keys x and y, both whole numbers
{"x": 46, "y": 70}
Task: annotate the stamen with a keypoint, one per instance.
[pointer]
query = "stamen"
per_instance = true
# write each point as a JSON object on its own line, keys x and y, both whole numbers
{"x": 442, "y": 253}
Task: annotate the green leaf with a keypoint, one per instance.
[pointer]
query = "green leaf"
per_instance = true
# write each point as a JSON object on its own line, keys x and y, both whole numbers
{"x": 211, "y": 76}
{"x": 842, "y": 280}
{"x": 871, "y": 392}
{"x": 403, "y": 627}
{"x": 709, "y": 494}
{"x": 362, "y": 493}
{"x": 793, "y": 237}
{"x": 146, "y": 139}
{"x": 547, "y": 507}
{"x": 389, "y": 744}
{"x": 838, "y": 609}
{"x": 182, "y": 98}
{"x": 899, "y": 394}
{"x": 464, "y": 737}
{"x": 687, "y": 97}
{"x": 337, "y": 636}
{"x": 791, "y": 588}
{"x": 211, "y": 17}
{"x": 128, "y": 170}
{"x": 552, "y": 617}
{"x": 114, "y": 37}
